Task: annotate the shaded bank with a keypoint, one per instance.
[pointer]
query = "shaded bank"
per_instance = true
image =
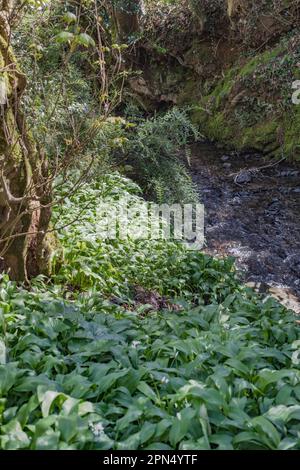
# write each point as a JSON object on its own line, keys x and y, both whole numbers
{"x": 251, "y": 214}
{"x": 234, "y": 68}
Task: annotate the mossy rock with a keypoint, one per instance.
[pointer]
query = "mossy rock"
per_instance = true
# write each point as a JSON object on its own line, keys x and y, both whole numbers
{"x": 291, "y": 145}
{"x": 251, "y": 106}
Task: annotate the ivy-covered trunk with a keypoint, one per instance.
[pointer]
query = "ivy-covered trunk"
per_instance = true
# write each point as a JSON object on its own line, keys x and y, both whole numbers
{"x": 25, "y": 191}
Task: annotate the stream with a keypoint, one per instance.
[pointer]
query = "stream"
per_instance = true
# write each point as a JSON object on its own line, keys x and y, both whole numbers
{"x": 253, "y": 216}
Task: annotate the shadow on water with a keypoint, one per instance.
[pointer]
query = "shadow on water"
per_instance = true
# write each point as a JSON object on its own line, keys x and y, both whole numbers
{"x": 252, "y": 215}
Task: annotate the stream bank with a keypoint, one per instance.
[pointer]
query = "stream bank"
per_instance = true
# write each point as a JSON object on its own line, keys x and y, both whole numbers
{"x": 235, "y": 65}
{"x": 252, "y": 215}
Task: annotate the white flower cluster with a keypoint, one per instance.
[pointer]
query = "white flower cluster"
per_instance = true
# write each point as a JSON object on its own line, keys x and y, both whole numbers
{"x": 97, "y": 429}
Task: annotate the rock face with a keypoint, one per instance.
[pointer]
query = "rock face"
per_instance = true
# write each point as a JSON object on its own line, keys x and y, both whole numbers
{"x": 251, "y": 107}
{"x": 234, "y": 64}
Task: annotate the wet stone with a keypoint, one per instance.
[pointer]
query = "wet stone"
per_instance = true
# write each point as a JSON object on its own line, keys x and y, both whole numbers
{"x": 258, "y": 222}
{"x": 226, "y": 165}
{"x": 243, "y": 177}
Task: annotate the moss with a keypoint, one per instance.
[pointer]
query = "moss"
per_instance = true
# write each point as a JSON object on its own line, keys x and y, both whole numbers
{"x": 21, "y": 160}
{"x": 291, "y": 146}
{"x": 7, "y": 57}
{"x": 224, "y": 114}
{"x": 296, "y": 73}
{"x": 262, "y": 137}
{"x": 224, "y": 88}
{"x": 260, "y": 59}
{"x": 218, "y": 129}
{"x": 51, "y": 256}
{"x": 190, "y": 93}
{"x": 16, "y": 154}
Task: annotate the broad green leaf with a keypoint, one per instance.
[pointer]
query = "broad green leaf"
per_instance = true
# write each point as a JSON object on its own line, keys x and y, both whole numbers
{"x": 48, "y": 399}
{"x": 158, "y": 446}
{"x": 85, "y": 40}
{"x": 147, "y": 431}
{"x": 224, "y": 441}
{"x": 69, "y": 17}
{"x": 64, "y": 37}
{"x": 147, "y": 391}
{"x": 131, "y": 443}
{"x": 8, "y": 377}
{"x": 13, "y": 437}
{"x": 67, "y": 425}
{"x": 133, "y": 414}
{"x": 283, "y": 413}
{"x": 264, "y": 426}
{"x": 48, "y": 441}
{"x": 267, "y": 377}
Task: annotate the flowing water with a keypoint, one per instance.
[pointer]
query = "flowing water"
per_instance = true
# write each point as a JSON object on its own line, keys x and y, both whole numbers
{"x": 253, "y": 215}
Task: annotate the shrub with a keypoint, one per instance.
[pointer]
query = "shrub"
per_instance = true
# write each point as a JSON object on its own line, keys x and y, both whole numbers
{"x": 153, "y": 151}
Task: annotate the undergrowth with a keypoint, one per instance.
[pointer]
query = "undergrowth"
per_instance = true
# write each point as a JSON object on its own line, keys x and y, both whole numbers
{"x": 83, "y": 365}
{"x": 153, "y": 150}
{"x": 62, "y": 106}
{"x": 87, "y": 364}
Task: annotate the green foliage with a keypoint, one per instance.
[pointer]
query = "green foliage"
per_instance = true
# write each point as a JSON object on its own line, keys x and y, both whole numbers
{"x": 81, "y": 39}
{"x": 63, "y": 109}
{"x": 83, "y": 363}
{"x": 153, "y": 151}
{"x": 59, "y": 101}
{"x": 115, "y": 266}
{"x": 82, "y": 371}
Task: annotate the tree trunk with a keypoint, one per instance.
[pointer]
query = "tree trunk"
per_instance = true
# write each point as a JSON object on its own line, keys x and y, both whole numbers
{"x": 126, "y": 16}
{"x": 25, "y": 193}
